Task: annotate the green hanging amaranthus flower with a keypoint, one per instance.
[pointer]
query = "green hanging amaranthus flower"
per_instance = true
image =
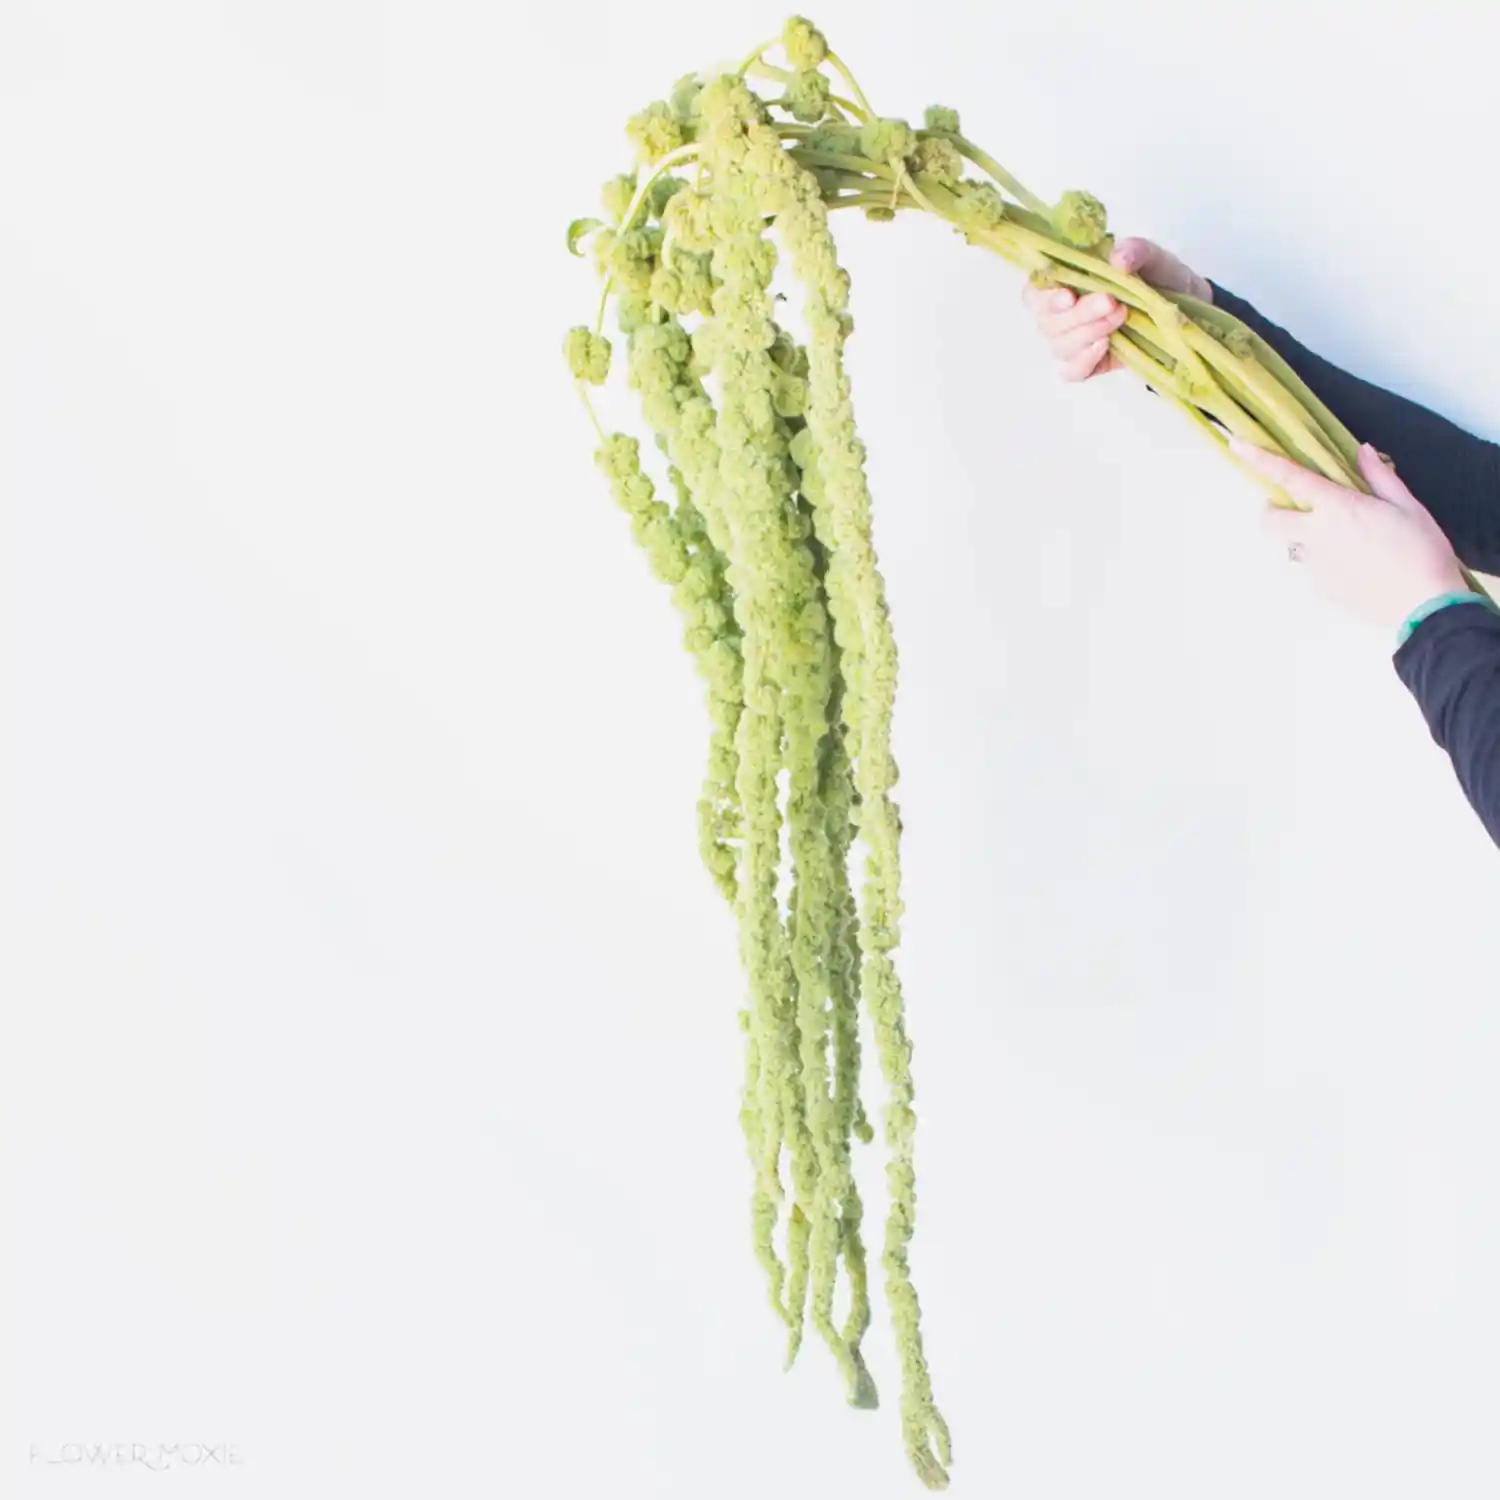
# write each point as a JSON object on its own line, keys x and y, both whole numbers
{"x": 655, "y": 131}
{"x": 862, "y": 628}
{"x": 758, "y": 368}
{"x": 767, "y": 547}
{"x": 587, "y": 355}
{"x": 808, "y": 95}
{"x": 1080, "y": 219}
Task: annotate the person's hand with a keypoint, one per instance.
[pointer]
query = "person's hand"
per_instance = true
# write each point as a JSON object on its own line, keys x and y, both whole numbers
{"x": 1378, "y": 555}
{"x": 1078, "y": 331}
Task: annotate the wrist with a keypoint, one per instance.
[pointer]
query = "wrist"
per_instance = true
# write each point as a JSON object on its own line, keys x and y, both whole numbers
{"x": 1460, "y": 594}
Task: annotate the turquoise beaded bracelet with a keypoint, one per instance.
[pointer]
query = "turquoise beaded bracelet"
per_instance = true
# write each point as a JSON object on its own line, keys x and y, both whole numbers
{"x": 1432, "y": 606}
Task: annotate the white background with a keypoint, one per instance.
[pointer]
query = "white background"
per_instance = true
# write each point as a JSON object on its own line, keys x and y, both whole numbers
{"x": 370, "y": 1067}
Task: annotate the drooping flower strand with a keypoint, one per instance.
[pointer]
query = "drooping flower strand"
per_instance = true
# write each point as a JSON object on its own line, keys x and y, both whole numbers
{"x": 836, "y": 789}
{"x": 679, "y": 408}
{"x": 825, "y": 953}
{"x": 782, "y": 623}
{"x": 763, "y": 1204}
{"x": 658, "y": 360}
{"x": 862, "y": 628}
{"x": 760, "y": 395}
{"x": 718, "y": 653}
{"x": 680, "y": 411}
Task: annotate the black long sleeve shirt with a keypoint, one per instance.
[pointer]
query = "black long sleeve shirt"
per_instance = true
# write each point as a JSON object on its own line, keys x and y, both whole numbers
{"x": 1451, "y": 661}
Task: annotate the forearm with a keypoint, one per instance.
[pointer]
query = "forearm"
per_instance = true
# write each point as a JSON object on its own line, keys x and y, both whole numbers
{"x": 1451, "y": 664}
{"x": 1453, "y": 473}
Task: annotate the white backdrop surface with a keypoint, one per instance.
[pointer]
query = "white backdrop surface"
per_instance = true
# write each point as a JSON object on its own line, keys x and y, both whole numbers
{"x": 370, "y": 1067}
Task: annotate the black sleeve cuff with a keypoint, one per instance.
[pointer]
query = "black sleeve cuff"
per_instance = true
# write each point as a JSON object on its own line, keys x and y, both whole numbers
{"x": 1451, "y": 664}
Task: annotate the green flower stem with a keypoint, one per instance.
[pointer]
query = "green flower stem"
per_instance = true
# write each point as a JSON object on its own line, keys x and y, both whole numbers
{"x": 1161, "y": 380}
{"x": 806, "y": 156}
{"x": 1027, "y": 229}
{"x": 945, "y": 203}
{"x": 1143, "y": 340}
{"x": 1236, "y": 391}
{"x": 868, "y": 200}
{"x": 588, "y": 406}
{"x": 1239, "y": 414}
{"x": 838, "y": 67}
{"x": 1156, "y": 374}
{"x": 1085, "y": 281}
{"x": 860, "y": 114}
{"x": 1081, "y": 281}
{"x": 1215, "y": 401}
{"x": 785, "y": 75}
{"x": 905, "y": 180}
{"x": 759, "y": 52}
{"x": 1162, "y": 311}
{"x": 1309, "y": 445}
{"x": 1265, "y": 425}
{"x": 1279, "y": 416}
{"x": 1168, "y": 324}
{"x": 609, "y": 286}
{"x": 1281, "y": 441}
{"x": 690, "y": 152}
{"x": 987, "y": 163}
{"x": 1322, "y": 453}
{"x": 1038, "y": 223}
{"x": 1206, "y": 314}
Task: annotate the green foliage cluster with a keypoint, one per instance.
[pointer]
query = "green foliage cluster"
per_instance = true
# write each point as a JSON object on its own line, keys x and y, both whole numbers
{"x": 767, "y": 547}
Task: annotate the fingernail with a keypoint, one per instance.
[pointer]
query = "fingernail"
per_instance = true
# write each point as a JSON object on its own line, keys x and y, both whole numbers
{"x": 1097, "y": 303}
{"x": 1061, "y": 300}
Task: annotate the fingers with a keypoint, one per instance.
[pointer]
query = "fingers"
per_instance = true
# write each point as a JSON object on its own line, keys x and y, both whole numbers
{"x": 1077, "y": 330}
{"x": 1086, "y": 361}
{"x": 1133, "y": 255}
{"x": 1057, "y": 310}
{"x": 1044, "y": 299}
{"x": 1305, "y": 487}
{"x": 1149, "y": 261}
{"x": 1067, "y": 346}
{"x": 1383, "y": 480}
{"x": 1058, "y": 319}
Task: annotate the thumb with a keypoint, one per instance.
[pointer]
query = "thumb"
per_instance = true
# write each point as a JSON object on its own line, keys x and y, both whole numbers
{"x": 1383, "y": 480}
{"x": 1159, "y": 267}
{"x": 1134, "y": 255}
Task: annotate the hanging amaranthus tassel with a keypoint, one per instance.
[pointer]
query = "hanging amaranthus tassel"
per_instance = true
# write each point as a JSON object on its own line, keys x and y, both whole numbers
{"x": 770, "y": 556}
